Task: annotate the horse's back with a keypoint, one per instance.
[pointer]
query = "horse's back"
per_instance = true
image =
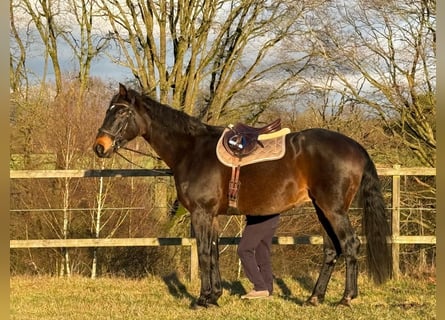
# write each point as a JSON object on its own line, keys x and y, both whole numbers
{"x": 326, "y": 147}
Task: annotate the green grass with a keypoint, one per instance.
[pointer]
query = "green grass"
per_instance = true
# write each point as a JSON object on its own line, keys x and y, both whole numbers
{"x": 170, "y": 298}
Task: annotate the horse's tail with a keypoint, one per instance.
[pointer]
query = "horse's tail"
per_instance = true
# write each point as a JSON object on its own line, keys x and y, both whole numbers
{"x": 375, "y": 225}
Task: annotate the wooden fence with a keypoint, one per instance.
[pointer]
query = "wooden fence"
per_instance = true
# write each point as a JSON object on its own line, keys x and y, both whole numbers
{"x": 396, "y": 239}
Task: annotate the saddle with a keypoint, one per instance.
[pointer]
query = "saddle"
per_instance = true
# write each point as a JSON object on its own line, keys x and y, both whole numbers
{"x": 241, "y": 140}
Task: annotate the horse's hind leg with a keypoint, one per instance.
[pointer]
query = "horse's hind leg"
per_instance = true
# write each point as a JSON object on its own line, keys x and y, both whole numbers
{"x": 351, "y": 255}
{"x": 339, "y": 239}
{"x": 331, "y": 252}
{"x": 329, "y": 259}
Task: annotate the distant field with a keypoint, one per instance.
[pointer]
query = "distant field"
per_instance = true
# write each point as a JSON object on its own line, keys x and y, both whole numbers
{"x": 169, "y": 298}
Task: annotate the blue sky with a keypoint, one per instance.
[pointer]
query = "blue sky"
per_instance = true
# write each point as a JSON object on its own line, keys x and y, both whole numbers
{"x": 101, "y": 67}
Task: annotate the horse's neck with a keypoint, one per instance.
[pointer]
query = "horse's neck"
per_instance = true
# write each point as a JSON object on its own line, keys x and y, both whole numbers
{"x": 170, "y": 146}
{"x": 174, "y": 143}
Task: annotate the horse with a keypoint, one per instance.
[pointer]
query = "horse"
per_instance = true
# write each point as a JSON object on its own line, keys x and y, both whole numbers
{"x": 319, "y": 165}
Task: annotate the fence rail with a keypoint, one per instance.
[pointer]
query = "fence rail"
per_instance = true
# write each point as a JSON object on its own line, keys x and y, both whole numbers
{"x": 154, "y": 242}
{"x": 97, "y": 173}
{"x": 396, "y": 239}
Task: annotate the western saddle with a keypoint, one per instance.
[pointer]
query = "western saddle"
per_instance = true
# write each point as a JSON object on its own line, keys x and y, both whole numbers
{"x": 240, "y": 141}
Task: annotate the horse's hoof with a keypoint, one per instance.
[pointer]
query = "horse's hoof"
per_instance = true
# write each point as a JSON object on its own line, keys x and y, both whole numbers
{"x": 194, "y": 305}
{"x": 213, "y": 304}
{"x": 197, "y": 304}
{"x": 345, "y": 301}
{"x": 312, "y": 301}
{"x": 213, "y": 299}
{"x": 203, "y": 303}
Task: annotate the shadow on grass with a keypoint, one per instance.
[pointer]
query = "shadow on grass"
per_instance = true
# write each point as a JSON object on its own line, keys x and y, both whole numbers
{"x": 235, "y": 288}
{"x": 306, "y": 283}
{"x": 176, "y": 288}
{"x": 282, "y": 290}
{"x": 286, "y": 292}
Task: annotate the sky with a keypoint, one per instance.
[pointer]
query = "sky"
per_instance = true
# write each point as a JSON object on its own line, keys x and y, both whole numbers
{"x": 101, "y": 67}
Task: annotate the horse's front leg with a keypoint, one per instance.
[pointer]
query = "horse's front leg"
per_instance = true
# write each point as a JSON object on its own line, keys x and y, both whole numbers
{"x": 208, "y": 256}
{"x": 215, "y": 275}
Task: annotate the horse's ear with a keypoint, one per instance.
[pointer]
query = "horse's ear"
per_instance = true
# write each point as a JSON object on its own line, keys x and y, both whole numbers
{"x": 122, "y": 90}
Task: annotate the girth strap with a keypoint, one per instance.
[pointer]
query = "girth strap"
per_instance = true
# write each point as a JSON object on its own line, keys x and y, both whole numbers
{"x": 234, "y": 185}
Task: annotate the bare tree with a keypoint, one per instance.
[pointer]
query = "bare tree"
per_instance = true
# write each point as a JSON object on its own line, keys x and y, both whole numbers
{"x": 58, "y": 24}
{"x": 202, "y": 51}
{"x": 43, "y": 15}
{"x": 83, "y": 38}
{"x": 382, "y": 57}
{"x": 17, "y": 58}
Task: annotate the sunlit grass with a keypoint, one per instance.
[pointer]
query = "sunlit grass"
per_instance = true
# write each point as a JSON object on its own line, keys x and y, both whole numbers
{"x": 170, "y": 298}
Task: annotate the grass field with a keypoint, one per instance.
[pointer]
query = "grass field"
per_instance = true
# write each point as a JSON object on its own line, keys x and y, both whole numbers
{"x": 170, "y": 298}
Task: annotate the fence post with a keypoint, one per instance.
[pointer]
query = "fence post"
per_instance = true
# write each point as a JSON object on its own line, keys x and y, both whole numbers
{"x": 395, "y": 222}
{"x": 194, "y": 268}
{"x": 161, "y": 194}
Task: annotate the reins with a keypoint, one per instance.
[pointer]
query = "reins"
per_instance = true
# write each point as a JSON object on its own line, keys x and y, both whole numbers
{"x": 142, "y": 153}
{"x": 135, "y": 151}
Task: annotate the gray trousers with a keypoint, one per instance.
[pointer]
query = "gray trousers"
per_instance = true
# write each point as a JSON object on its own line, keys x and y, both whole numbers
{"x": 254, "y": 250}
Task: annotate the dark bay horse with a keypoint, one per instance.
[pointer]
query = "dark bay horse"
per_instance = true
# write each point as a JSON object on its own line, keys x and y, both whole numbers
{"x": 321, "y": 166}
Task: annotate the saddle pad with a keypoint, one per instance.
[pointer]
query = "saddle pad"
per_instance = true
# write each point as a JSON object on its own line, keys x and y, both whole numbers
{"x": 274, "y": 149}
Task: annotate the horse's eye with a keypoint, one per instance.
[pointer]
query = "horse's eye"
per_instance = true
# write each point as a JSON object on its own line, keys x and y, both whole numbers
{"x": 123, "y": 112}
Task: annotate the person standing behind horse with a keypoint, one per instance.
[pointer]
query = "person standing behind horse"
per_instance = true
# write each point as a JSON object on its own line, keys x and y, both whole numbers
{"x": 254, "y": 251}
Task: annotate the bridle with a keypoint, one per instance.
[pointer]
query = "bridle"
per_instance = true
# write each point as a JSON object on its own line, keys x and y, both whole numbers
{"x": 117, "y": 134}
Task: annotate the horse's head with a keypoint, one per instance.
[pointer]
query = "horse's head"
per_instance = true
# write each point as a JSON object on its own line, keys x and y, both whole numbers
{"x": 121, "y": 124}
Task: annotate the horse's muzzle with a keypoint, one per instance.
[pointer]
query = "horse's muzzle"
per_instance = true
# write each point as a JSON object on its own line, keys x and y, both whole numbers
{"x": 99, "y": 150}
{"x": 103, "y": 147}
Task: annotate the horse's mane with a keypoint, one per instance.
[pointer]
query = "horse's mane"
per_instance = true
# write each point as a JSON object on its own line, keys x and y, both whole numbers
{"x": 175, "y": 120}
